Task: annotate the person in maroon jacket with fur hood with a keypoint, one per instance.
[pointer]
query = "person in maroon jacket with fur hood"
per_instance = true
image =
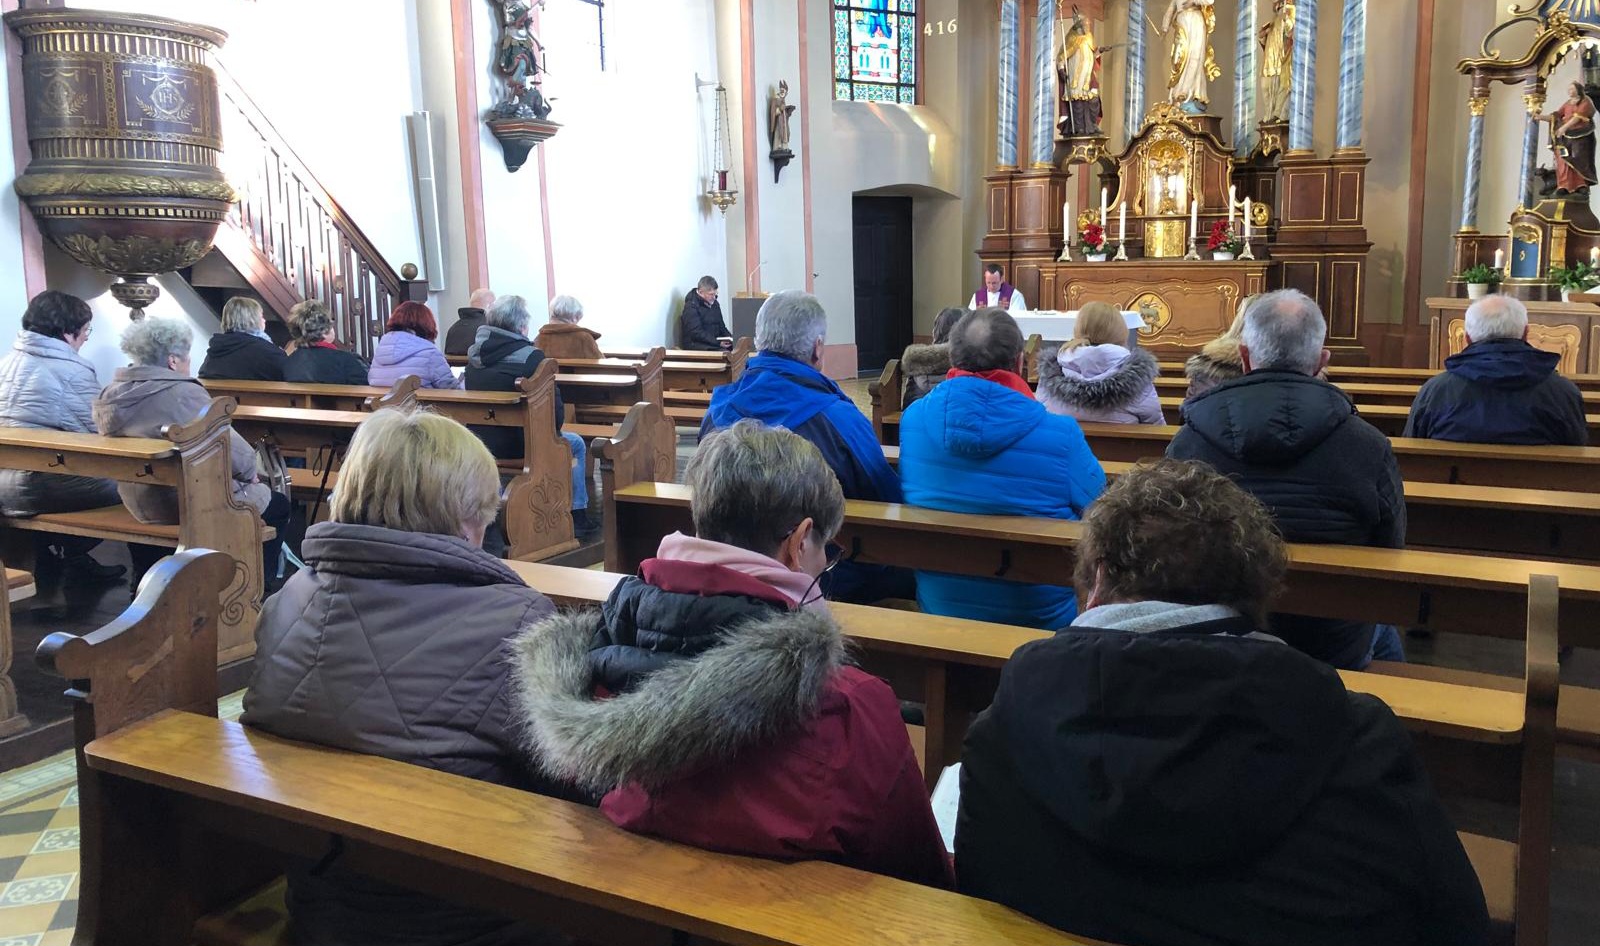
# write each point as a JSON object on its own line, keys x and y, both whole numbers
{"x": 709, "y": 701}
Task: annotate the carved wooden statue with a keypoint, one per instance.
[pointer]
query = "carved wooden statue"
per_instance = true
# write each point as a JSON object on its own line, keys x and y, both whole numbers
{"x": 521, "y": 60}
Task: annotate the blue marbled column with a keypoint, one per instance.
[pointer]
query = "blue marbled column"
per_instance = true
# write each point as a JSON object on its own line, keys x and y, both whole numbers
{"x": 1133, "y": 99}
{"x": 1244, "y": 79}
{"x": 1010, "y": 49}
{"x": 1474, "y": 172}
{"x": 1044, "y": 84}
{"x": 1303, "y": 90}
{"x": 1352, "y": 72}
{"x": 1534, "y": 100}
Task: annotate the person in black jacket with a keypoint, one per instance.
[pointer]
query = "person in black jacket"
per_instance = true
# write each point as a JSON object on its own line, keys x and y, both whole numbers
{"x": 242, "y": 351}
{"x": 316, "y": 359}
{"x": 469, "y": 319}
{"x": 1297, "y": 444}
{"x": 700, "y": 327}
{"x": 1499, "y": 389}
{"x": 500, "y": 356}
{"x": 1161, "y": 772}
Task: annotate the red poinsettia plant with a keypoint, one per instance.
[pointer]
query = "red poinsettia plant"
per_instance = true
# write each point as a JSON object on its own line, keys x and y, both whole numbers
{"x": 1092, "y": 239}
{"x": 1223, "y": 239}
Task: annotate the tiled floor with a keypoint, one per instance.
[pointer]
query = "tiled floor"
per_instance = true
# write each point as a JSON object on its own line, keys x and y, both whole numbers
{"x": 39, "y": 848}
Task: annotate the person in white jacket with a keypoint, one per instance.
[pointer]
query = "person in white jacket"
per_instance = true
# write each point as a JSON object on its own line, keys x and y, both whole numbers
{"x": 1096, "y": 378}
{"x": 996, "y": 293}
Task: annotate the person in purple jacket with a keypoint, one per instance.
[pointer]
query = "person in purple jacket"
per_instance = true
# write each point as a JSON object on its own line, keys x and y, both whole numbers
{"x": 407, "y": 348}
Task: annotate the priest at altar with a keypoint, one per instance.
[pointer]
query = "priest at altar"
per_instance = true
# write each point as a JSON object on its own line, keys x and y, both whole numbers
{"x": 997, "y": 293}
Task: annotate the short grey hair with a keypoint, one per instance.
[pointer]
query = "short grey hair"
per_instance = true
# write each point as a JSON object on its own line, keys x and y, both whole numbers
{"x": 150, "y": 342}
{"x": 1284, "y": 331}
{"x": 986, "y": 340}
{"x": 1496, "y": 316}
{"x": 509, "y": 313}
{"x": 240, "y": 314}
{"x": 753, "y": 484}
{"x": 566, "y": 309}
{"x": 480, "y": 299}
{"x": 790, "y": 323}
{"x": 311, "y": 321}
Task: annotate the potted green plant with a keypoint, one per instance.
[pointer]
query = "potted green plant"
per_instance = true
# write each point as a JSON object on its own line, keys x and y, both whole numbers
{"x": 1481, "y": 280}
{"x": 1579, "y": 277}
{"x": 1224, "y": 243}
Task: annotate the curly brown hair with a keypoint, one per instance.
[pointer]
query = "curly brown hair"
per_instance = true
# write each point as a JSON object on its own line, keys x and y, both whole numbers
{"x": 1179, "y": 531}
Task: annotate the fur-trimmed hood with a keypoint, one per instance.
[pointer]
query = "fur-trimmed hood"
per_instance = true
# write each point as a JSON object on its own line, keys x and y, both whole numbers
{"x": 1096, "y": 377}
{"x": 1216, "y": 363}
{"x": 926, "y": 360}
{"x": 764, "y": 679}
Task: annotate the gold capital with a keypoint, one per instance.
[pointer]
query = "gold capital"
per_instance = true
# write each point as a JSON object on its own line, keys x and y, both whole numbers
{"x": 1534, "y": 102}
{"x": 1477, "y": 105}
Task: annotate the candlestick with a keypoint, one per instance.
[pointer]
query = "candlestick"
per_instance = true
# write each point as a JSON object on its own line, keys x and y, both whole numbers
{"x": 1067, "y": 226}
{"x": 1194, "y": 221}
{"x": 1232, "y": 193}
{"x": 1122, "y": 222}
{"x": 1594, "y": 256}
{"x": 1247, "y": 220}
{"x": 1105, "y": 196}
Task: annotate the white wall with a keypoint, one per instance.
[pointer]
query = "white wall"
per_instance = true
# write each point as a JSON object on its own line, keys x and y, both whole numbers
{"x": 13, "y": 287}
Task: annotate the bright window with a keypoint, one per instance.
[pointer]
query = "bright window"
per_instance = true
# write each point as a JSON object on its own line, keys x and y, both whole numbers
{"x": 875, "y": 50}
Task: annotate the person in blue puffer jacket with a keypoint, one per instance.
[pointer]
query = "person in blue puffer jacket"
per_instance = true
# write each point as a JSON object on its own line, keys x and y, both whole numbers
{"x": 980, "y": 443}
{"x": 783, "y": 386}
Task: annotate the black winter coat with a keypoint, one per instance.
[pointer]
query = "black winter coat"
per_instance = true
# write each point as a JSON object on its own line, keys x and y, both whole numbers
{"x": 1181, "y": 789}
{"x": 465, "y": 328}
{"x": 497, "y": 360}
{"x": 1500, "y": 390}
{"x": 701, "y": 324}
{"x": 240, "y": 356}
{"x": 1327, "y": 476}
{"x": 312, "y": 364}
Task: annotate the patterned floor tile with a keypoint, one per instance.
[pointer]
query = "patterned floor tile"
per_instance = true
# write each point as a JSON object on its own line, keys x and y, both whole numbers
{"x": 66, "y": 915}
{"x": 27, "y": 822}
{"x": 9, "y": 866}
{"x": 32, "y": 891}
{"x": 32, "y": 939}
{"x": 49, "y": 864}
{"x": 55, "y": 840}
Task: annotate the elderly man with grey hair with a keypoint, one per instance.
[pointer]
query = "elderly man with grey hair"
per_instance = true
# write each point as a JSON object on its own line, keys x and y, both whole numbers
{"x": 783, "y": 386}
{"x": 1297, "y": 444}
{"x": 500, "y": 356}
{"x": 981, "y": 443}
{"x": 1499, "y": 389}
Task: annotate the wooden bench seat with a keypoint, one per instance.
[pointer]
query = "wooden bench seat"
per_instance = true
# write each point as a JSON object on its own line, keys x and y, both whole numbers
{"x": 152, "y": 756}
{"x": 1488, "y": 743}
{"x": 1364, "y": 393}
{"x": 19, "y": 587}
{"x": 191, "y": 458}
{"x": 683, "y": 415}
{"x": 1363, "y": 373}
{"x": 697, "y": 371}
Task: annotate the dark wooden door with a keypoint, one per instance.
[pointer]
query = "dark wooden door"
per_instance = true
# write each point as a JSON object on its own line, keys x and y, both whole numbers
{"x": 883, "y": 279}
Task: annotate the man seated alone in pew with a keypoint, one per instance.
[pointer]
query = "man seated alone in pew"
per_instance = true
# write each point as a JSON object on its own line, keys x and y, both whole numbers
{"x": 783, "y": 386}
{"x": 980, "y": 443}
{"x": 1499, "y": 389}
{"x": 1163, "y": 772}
{"x": 243, "y": 351}
{"x": 393, "y": 642}
{"x": 710, "y": 700}
{"x": 46, "y": 384}
{"x": 500, "y": 357}
{"x": 1296, "y": 443}
{"x": 153, "y": 392}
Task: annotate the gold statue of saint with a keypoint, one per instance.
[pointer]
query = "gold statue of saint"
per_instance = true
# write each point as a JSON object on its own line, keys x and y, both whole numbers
{"x": 1077, "y": 66}
{"x": 1277, "y": 54}
{"x": 1188, "y": 26}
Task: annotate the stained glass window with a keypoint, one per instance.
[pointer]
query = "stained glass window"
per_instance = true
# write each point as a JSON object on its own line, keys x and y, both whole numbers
{"x": 875, "y": 50}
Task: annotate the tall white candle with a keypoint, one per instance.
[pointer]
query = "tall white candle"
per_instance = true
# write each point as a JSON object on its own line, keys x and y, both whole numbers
{"x": 1499, "y": 258}
{"x": 1232, "y": 195}
{"x": 1105, "y": 196}
{"x": 1247, "y": 220}
{"x": 1194, "y": 220}
{"x": 1066, "y": 220}
{"x": 1594, "y": 256}
{"x": 1122, "y": 222}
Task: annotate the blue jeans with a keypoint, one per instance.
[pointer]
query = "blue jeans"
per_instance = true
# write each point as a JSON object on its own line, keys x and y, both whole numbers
{"x": 1386, "y": 644}
{"x": 580, "y": 482}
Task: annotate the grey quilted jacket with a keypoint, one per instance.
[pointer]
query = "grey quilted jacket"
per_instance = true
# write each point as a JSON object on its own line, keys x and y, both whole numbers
{"x": 44, "y": 385}
{"x": 393, "y": 644}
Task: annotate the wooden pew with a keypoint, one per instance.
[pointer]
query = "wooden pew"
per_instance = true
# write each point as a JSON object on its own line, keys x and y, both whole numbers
{"x": 624, "y": 386}
{"x": 1364, "y": 393}
{"x": 183, "y": 815}
{"x": 543, "y": 475}
{"x": 686, "y": 370}
{"x": 194, "y": 459}
{"x": 1390, "y": 419}
{"x": 1478, "y": 743}
{"x": 1576, "y": 469}
{"x": 1379, "y": 375}
{"x": 18, "y": 587}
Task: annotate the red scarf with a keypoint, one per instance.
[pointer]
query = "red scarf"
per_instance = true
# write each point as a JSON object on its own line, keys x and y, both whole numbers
{"x": 1000, "y": 376}
{"x": 323, "y": 344}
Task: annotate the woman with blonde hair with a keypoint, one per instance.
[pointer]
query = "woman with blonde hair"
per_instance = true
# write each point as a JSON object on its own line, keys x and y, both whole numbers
{"x": 1219, "y": 360}
{"x": 392, "y": 642}
{"x": 1096, "y": 377}
{"x": 243, "y": 351}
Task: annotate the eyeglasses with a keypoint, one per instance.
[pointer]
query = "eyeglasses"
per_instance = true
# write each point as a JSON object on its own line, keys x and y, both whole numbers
{"x": 835, "y": 555}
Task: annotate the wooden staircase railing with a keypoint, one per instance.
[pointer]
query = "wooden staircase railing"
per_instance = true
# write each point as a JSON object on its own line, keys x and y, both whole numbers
{"x": 288, "y": 236}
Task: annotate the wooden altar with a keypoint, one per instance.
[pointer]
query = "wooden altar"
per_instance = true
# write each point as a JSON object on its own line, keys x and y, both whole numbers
{"x": 1190, "y": 302}
{"x": 1571, "y": 330}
